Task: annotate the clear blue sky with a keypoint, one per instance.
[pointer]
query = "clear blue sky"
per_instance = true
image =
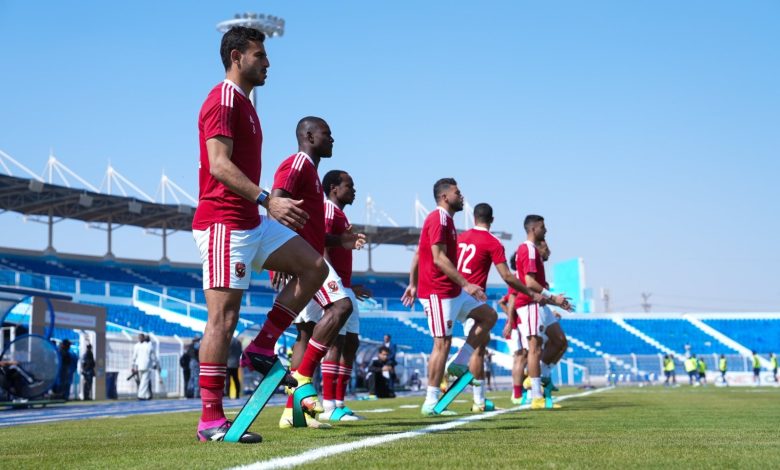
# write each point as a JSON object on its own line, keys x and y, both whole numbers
{"x": 647, "y": 133}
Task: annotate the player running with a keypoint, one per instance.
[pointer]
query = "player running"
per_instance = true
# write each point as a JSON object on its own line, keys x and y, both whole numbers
{"x": 337, "y": 365}
{"x": 318, "y": 324}
{"x": 231, "y": 235}
{"x": 445, "y": 294}
{"x": 478, "y": 249}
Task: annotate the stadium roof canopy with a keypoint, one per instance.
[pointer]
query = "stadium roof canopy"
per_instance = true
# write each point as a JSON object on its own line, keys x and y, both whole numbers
{"x": 33, "y": 197}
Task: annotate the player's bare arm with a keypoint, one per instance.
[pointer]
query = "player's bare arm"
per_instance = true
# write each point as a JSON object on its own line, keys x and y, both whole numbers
{"x": 444, "y": 264}
{"x": 557, "y": 300}
{"x": 220, "y": 150}
{"x": 283, "y": 208}
{"x": 514, "y": 282}
{"x": 511, "y": 316}
{"x": 411, "y": 290}
{"x": 347, "y": 240}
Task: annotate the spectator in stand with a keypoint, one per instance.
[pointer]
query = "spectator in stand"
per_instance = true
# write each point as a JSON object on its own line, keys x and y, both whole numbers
{"x": 88, "y": 372}
{"x": 391, "y": 359}
{"x": 234, "y": 357}
{"x": 379, "y": 375}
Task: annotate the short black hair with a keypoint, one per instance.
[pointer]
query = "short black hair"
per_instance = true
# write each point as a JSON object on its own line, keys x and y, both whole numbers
{"x": 238, "y": 38}
{"x": 383, "y": 348}
{"x": 513, "y": 261}
{"x": 483, "y": 212}
{"x": 331, "y": 178}
{"x": 531, "y": 219}
{"x": 441, "y": 186}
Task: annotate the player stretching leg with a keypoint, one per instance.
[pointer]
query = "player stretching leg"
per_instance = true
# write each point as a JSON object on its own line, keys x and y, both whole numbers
{"x": 555, "y": 344}
{"x": 530, "y": 270}
{"x": 337, "y": 365}
{"x": 445, "y": 294}
{"x": 230, "y": 234}
{"x": 319, "y": 322}
{"x": 478, "y": 249}
{"x": 516, "y": 343}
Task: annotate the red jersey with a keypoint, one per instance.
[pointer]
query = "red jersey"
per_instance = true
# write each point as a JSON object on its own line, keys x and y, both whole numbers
{"x": 478, "y": 249}
{"x": 528, "y": 262}
{"x": 336, "y": 223}
{"x": 298, "y": 176}
{"x": 438, "y": 228}
{"x": 228, "y": 113}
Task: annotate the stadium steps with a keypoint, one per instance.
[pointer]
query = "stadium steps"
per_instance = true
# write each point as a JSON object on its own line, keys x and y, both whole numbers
{"x": 737, "y": 346}
{"x": 601, "y": 354}
{"x": 146, "y": 279}
{"x": 644, "y": 337}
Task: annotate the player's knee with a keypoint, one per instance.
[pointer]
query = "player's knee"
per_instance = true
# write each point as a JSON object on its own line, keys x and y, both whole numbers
{"x": 342, "y": 309}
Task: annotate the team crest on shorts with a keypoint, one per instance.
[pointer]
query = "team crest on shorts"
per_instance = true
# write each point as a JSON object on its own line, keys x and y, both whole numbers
{"x": 240, "y": 270}
{"x": 333, "y": 286}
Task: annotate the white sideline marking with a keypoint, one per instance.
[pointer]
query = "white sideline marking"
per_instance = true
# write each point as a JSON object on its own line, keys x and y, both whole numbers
{"x": 409, "y": 406}
{"x": 322, "y": 452}
{"x": 378, "y": 410}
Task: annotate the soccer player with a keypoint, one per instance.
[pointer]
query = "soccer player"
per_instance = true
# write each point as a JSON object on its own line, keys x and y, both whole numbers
{"x": 318, "y": 324}
{"x": 691, "y": 366}
{"x": 669, "y": 371}
{"x": 773, "y": 361}
{"x": 530, "y": 271}
{"x": 701, "y": 368}
{"x": 337, "y": 365}
{"x": 446, "y": 296}
{"x": 756, "y": 369}
{"x": 515, "y": 342}
{"x": 555, "y": 343}
{"x": 231, "y": 235}
{"x": 723, "y": 367}
{"x": 478, "y": 249}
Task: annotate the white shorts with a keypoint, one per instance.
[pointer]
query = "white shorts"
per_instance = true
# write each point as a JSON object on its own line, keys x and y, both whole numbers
{"x": 331, "y": 291}
{"x": 530, "y": 321}
{"x": 228, "y": 255}
{"x": 353, "y": 323}
{"x": 442, "y": 313}
{"x": 517, "y": 342}
{"x": 547, "y": 316}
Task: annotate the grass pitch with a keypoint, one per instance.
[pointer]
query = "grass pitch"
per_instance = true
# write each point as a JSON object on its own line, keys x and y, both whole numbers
{"x": 622, "y": 428}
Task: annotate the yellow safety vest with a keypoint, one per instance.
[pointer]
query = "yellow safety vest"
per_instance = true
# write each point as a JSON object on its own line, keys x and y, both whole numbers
{"x": 774, "y": 362}
{"x": 723, "y": 365}
{"x": 756, "y": 362}
{"x": 702, "y": 366}
{"x": 690, "y": 364}
{"x": 669, "y": 365}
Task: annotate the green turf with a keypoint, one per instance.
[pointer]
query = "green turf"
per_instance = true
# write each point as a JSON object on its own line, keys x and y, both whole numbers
{"x": 649, "y": 427}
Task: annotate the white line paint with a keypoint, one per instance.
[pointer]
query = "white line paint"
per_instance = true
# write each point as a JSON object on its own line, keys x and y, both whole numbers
{"x": 408, "y": 406}
{"x": 379, "y": 410}
{"x": 328, "y": 451}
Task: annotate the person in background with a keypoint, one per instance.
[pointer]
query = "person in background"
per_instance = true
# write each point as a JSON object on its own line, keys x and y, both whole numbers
{"x": 756, "y": 369}
{"x": 193, "y": 351}
{"x": 234, "y": 357}
{"x": 184, "y": 363}
{"x": 68, "y": 364}
{"x": 701, "y": 368}
{"x": 88, "y": 372}
{"x": 379, "y": 375}
{"x": 773, "y": 361}
{"x": 392, "y": 349}
{"x": 144, "y": 363}
{"x": 723, "y": 367}
{"x": 691, "y": 366}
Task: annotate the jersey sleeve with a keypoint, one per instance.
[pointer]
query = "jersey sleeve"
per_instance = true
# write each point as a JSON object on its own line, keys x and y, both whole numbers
{"x": 529, "y": 261}
{"x": 286, "y": 178}
{"x": 218, "y": 118}
{"x": 497, "y": 253}
{"x": 330, "y": 215}
{"x": 438, "y": 231}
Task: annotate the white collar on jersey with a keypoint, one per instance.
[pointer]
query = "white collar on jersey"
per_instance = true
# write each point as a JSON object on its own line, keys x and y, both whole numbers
{"x": 238, "y": 88}
{"x": 477, "y": 227}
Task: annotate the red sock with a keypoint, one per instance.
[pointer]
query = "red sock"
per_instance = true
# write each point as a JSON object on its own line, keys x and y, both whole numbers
{"x": 517, "y": 391}
{"x": 212, "y": 387}
{"x": 330, "y": 374}
{"x": 311, "y": 358}
{"x": 279, "y": 319}
{"x": 345, "y": 374}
